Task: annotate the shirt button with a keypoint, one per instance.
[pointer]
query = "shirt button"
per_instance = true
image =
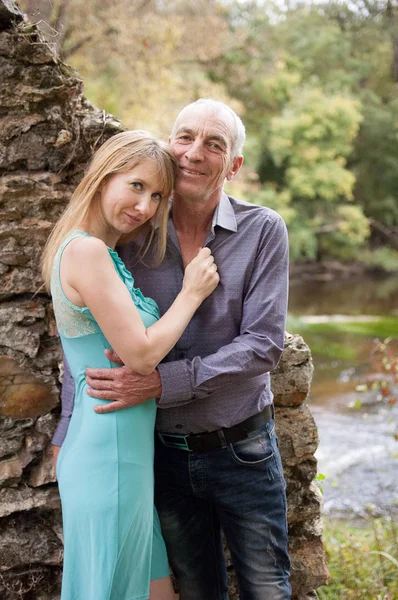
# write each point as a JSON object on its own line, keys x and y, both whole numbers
{"x": 178, "y": 426}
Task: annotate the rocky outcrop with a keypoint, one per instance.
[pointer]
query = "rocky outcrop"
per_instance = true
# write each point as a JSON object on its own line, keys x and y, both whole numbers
{"x": 47, "y": 133}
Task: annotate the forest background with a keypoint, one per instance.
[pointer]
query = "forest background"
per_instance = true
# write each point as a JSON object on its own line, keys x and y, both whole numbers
{"x": 315, "y": 83}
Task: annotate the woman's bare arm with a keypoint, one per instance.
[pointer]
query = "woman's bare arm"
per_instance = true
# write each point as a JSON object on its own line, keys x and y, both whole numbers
{"x": 88, "y": 274}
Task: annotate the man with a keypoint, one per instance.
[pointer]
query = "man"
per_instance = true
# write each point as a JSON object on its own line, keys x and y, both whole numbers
{"x": 217, "y": 462}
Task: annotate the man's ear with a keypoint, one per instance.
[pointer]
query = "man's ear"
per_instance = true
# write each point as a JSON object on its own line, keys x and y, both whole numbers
{"x": 236, "y": 165}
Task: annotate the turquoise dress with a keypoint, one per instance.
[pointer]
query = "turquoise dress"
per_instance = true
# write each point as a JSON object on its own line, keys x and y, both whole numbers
{"x": 113, "y": 545}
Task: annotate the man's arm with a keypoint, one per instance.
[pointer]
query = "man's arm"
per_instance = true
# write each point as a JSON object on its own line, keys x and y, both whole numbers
{"x": 255, "y": 351}
{"x": 67, "y": 399}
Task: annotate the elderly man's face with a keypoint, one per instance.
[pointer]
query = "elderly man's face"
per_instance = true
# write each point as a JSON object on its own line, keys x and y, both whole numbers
{"x": 202, "y": 144}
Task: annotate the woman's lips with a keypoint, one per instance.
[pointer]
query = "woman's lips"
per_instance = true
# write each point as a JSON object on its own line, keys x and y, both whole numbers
{"x": 134, "y": 219}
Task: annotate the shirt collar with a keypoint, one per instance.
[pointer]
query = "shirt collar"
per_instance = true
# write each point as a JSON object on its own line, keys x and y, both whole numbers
{"x": 224, "y": 215}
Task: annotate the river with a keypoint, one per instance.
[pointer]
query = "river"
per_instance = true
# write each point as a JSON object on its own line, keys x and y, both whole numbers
{"x": 358, "y": 450}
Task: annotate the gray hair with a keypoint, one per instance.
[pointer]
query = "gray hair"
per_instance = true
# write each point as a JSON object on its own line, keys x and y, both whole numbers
{"x": 238, "y": 134}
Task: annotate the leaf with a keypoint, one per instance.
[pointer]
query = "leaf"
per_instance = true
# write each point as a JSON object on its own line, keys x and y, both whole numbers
{"x": 356, "y": 404}
{"x": 361, "y": 388}
{"x": 386, "y": 555}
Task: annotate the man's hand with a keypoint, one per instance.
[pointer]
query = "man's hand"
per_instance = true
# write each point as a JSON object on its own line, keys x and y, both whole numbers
{"x": 56, "y": 450}
{"x": 123, "y": 387}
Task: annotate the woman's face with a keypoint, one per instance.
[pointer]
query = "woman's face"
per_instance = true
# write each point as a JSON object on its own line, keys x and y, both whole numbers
{"x": 130, "y": 199}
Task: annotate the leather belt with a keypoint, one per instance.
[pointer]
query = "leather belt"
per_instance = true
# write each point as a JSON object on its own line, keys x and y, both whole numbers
{"x": 210, "y": 440}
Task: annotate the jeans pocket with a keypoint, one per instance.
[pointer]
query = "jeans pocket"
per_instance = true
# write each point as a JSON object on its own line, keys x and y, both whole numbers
{"x": 254, "y": 450}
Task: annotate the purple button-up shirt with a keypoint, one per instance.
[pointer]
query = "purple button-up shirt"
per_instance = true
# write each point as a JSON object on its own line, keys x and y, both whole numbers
{"x": 217, "y": 375}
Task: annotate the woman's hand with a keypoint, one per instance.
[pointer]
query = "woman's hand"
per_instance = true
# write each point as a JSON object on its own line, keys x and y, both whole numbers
{"x": 201, "y": 276}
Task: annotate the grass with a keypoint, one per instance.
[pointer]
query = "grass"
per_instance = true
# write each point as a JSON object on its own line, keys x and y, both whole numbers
{"x": 362, "y": 559}
{"x": 382, "y": 327}
{"x": 342, "y": 340}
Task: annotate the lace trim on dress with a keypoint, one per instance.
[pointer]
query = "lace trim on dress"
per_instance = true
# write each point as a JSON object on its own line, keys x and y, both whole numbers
{"x": 72, "y": 320}
{"x": 77, "y": 321}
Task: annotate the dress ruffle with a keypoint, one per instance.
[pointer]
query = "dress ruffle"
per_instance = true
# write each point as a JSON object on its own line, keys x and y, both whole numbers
{"x": 145, "y": 304}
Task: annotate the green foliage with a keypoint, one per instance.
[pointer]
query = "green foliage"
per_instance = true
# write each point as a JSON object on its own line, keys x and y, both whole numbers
{"x": 316, "y": 84}
{"x": 362, "y": 560}
{"x": 324, "y": 106}
{"x": 315, "y": 127}
{"x": 352, "y": 229}
{"x": 309, "y": 143}
{"x": 384, "y": 258}
{"x": 375, "y": 161}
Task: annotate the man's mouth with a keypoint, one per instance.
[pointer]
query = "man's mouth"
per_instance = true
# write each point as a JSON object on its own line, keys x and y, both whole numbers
{"x": 191, "y": 171}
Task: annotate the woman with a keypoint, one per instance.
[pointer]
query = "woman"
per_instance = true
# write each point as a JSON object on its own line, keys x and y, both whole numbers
{"x": 113, "y": 543}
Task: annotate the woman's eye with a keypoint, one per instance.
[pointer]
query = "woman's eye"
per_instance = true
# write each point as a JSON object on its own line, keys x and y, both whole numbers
{"x": 157, "y": 197}
{"x": 136, "y": 185}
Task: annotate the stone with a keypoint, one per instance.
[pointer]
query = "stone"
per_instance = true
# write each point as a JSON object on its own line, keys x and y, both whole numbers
{"x": 303, "y": 503}
{"x": 292, "y": 378}
{"x": 297, "y": 434}
{"x": 23, "y": 499}
{"x": 27, "y": 539}
{"x": 9, "y": 14}
{"x": 9, "y": 446}
{"x": 44, "y": 472}
{"x": 35, "y": 582}
{"x": 308, "y": 569}
{"x": 47, "y": 424}
{"x": 21, "y": 394}
{"x": 14, "y": 427}
{"x": 11, "y": 469}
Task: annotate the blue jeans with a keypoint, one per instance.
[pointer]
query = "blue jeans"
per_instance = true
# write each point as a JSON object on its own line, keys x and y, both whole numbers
{"x": 240, "y": 489}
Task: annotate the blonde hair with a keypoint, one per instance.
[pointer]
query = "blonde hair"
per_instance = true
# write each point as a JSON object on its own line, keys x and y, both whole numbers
{"x": 119, "y": 154}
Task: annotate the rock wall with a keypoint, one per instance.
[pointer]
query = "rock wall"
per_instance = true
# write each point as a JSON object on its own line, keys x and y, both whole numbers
{"x": 47, "y": 133}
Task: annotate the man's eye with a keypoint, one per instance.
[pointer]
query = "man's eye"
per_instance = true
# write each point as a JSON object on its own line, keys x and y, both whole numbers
{"x": 216, "y": 146}
{"x": 137, "y": 185}
{"x": 184, "y": 138}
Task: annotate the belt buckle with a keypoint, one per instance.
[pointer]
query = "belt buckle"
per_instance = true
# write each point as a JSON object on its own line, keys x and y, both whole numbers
{"x": 181, "y": 445}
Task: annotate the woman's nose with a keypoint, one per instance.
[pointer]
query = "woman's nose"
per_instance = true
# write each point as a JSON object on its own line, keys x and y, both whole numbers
{"x": 143, "y": 206}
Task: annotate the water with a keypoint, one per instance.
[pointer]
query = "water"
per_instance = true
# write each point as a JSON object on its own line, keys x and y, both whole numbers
{"x": 358, "y": 453}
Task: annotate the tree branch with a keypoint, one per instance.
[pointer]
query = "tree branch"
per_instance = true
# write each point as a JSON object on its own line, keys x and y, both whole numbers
{"x": 385, "y": 231}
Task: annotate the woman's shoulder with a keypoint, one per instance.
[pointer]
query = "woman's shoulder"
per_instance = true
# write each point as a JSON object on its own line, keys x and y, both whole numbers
{"x": 86, "y": 249}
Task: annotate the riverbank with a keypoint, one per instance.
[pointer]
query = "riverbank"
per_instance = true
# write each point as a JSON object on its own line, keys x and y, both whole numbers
{"x": 339, "y": 318}
{"x": 329, "y": 270}
{"x": 357, "y": 452}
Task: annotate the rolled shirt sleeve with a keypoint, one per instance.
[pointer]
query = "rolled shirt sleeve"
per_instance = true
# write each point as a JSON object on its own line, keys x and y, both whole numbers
{"x": 67, "y": 399}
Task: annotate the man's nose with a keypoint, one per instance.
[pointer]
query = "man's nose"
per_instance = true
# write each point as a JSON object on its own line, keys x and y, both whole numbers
{"x": 195, "y": 151}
